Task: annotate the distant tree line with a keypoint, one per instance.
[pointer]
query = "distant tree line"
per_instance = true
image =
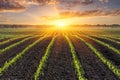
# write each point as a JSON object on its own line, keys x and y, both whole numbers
{"x": 23, "y": 26}
{"x": 98, "y": 25}
{"x": 46, "y": 26}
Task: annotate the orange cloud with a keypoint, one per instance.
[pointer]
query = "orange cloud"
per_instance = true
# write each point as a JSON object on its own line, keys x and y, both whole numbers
{"x": 52, "y": 18}
{"x": 60, "y": 5}
{"x": 104, "y": 1}
{"x": 91, "y": 13}
{"x": 71, "y": 4}
{"x": 11, "y": 6}
{"x": 20, "y": 5}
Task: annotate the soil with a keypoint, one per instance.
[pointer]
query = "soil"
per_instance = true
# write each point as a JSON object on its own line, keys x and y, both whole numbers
{"x": 9, "y": 54}
{"x": 1, "y": 40}
{"x": 60, "y": 63}
{"x": 92, "y": 65}
{"x": 107, "y": 53}
{"x": 11, "y": 42}
{"x": 109, "y": 42}
{"x": 25, "y": 67}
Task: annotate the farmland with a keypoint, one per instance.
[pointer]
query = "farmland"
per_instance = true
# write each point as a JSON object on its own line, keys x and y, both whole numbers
{"x": 56, "y": 54}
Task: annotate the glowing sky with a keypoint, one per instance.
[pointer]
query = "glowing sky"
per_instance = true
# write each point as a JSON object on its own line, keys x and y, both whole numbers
{"x": 68, "y": 11}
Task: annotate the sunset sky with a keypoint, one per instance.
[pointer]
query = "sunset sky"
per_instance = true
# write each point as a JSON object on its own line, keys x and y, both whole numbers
{"x": 69, "y": 11}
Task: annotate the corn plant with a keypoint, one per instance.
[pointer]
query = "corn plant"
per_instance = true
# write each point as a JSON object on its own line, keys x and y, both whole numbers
{"x": 43, "y": 60}
{"x": 108, "y": 63}
{"x": 19, "y": 55}
{"x": 77, "y": 65}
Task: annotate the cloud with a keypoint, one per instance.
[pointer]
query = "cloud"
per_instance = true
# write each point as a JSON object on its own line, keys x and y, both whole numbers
{"x": 91, "y": 13}
{"x": 63, "y": 1}
{"x": 41, "y": 1}
{"x": 21, "y": 5}
{"x": 76, "y": 2}
{"x": 88, "y": 13}
{"x": 104, "y": 1}
{"x": 1, "y": 21}
{"x": 51, "y": 18}
{"x": 5, "y": 20}
{"x": 11, "y": 5}
{"x": 71, "y": 4}
{"x": 60, "y": 5}
{"x": 81, "y": 14}
{"x": 87, "y": 2}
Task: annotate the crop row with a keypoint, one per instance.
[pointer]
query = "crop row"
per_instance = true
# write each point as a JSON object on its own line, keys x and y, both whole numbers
{"x": 11, "y": 39}
{"x": 43, "y": 60}
{"x": 19, "y": 55}
{"x": 106, "y": 45}
{"x": 15, "y": 44}
{"x": 77, "y": 65}
{"x": 108, "y": 63}
{"x": 14, "y": 37}
{"x": 112, "y": 40}
{"x": 3, "y": 36}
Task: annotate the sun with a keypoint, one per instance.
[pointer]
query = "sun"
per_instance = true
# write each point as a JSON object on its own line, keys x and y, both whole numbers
{"x": 60, "y": 24}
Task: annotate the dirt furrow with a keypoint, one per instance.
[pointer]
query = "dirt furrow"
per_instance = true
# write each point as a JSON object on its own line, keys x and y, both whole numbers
{"x": 25, "y": 67}
{"x": 60, "y": 64}
{"x": 109, "y": 42}
{"x": 14, "y": 51}
{"x": 109, "y": 54}
{"x": 11, "y": 42}
{"x": 1, "y": 40}
{"x": 93, "y": 67}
